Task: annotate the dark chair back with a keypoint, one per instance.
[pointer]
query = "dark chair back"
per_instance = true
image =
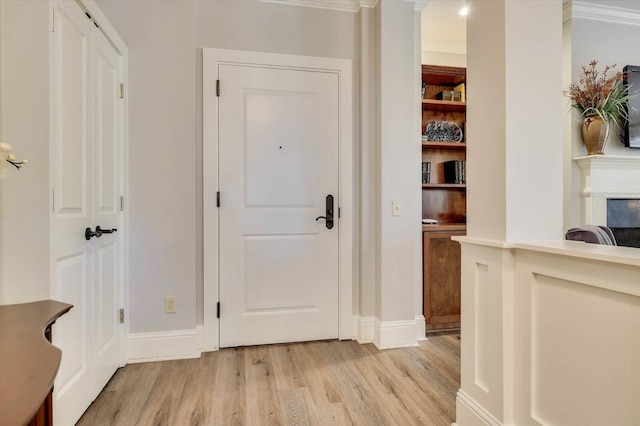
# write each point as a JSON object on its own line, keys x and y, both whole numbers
{"x": 592, "y": 234}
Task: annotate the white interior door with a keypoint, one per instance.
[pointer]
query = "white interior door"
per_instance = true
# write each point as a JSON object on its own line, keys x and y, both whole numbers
{"x": 107, "y": 254}
{"x": 278, "y": 160}
{"x": 86, "y": 158}
{"x": 71, "y": 170}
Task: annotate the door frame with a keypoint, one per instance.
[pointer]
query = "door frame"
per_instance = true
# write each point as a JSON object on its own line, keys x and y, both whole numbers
{"x": 211, "y": 59}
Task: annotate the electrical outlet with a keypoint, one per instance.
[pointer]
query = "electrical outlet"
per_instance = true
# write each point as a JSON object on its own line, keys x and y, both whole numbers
{"x": 169, "y": 304}
{"x": 396, "y": 209}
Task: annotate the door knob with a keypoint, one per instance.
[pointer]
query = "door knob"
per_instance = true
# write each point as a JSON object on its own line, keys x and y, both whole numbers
{"x": 106, "y": 231}
{"x": 88, "y": 233}
{"x": 328, "y": 218}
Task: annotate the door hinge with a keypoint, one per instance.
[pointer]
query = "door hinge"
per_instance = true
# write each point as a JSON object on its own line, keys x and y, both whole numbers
{"x": 53, "y": 200}
{"x": 217, "y": 87}
{"x": 338, "y": 212}
{"x": 121, "y": 91}
{"x": 218, "y": 311}
{"x": 53, "y": 20}
{"x": 122, "y": 203}
{"x": 218, "y": 199}
{"x": 121, "y": 316}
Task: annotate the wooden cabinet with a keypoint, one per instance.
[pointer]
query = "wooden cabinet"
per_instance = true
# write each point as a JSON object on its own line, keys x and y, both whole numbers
{"x": 442, "y": 200}
{"x": 441, "y": 279}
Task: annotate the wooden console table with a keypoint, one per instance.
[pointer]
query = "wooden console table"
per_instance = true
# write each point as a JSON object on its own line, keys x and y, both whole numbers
{"x": 28, "y": 361}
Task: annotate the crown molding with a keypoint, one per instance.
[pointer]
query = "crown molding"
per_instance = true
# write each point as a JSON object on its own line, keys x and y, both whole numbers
{"x": 341, "y": 5}
{"x": 598, "y": 12}
{"x": 370, "y": 4}
{"x": 421, "y": 4}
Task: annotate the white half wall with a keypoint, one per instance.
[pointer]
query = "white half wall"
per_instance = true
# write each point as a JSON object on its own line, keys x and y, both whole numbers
{"x": 548, "y": 337}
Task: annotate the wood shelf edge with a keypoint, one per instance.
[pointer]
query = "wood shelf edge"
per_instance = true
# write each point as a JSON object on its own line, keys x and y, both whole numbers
{"x": 445, "y": 227}
{"x": 444, "y": 145}
{"x": 444, "y": 185}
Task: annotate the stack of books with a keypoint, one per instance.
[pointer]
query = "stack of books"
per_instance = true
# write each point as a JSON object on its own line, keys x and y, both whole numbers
{"x": 426, "y": 172}
{"x": 454, "y": 171}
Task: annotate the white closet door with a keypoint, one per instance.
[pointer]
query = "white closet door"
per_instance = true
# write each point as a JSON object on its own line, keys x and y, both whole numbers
{"x": 107, "y": 155}
{"x": 71, "y": 171}
{"x": 86, "y": 178}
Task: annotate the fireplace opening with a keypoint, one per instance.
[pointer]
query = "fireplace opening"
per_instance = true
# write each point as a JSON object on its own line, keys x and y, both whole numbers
{"x": 623, "y": 217}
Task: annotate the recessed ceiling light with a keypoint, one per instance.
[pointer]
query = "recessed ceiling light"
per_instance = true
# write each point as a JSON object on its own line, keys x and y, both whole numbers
{"x": 464, "y": 11}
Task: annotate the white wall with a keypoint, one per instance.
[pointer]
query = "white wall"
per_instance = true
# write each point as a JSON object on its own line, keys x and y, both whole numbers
{"x": 400, "y": 260}
{"x": 165, "y": 40}
{"x": 275, "y": 28}
{"x": 368, "y": 199}
{"x": 485, "y": 119}
{"x": 24, "y": 107}
{"x": 609, "y": 43}
{"x": 162, "y": 163}
{"x": 514, "y": 122}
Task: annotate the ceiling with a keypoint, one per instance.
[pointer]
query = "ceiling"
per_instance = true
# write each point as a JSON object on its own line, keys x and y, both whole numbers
{"x": 443, "y": 28}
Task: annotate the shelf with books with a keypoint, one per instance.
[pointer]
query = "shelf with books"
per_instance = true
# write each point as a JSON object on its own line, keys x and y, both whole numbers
{"x": 443, "y": 201}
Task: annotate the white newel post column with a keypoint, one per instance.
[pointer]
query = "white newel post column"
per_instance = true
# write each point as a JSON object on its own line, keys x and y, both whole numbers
{"x": 398, "y": 237}
{"x": 515, "y": 187}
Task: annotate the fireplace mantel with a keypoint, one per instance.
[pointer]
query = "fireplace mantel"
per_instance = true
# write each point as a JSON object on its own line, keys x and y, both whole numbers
{"x": 606, "y": 176}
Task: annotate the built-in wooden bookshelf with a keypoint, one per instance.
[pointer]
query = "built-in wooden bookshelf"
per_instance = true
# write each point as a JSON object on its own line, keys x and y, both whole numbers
{"x": 443, "y": 201}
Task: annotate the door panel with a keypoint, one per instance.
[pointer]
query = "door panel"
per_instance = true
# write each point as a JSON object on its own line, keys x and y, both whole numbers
{"x": 106, "y": 285}
{"x": 107, "y": 119}
{"x": 270, "y": 165}
{"x": 284, "y": 280}
{"x": 71, "y": 171}
{"x": 71, "y": 330}
{"x": 86, "y": 155}
{"x": 278, "y": 149}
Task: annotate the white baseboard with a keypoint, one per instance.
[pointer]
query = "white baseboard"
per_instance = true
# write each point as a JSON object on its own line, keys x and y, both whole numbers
{"x": 165, "y": 345}
{"x": 470, "y": 413}
{"x": 421, "y": 324}
{"x": 395, "y": 334}
{"x": 363, "y": 329}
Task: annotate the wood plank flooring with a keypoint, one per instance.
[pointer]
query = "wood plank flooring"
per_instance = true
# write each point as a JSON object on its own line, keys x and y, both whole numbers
{"x": 312, "y": 383}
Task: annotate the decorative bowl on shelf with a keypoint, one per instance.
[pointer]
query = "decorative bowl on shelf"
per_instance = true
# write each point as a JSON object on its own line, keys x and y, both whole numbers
{"x": 443, "y": 131}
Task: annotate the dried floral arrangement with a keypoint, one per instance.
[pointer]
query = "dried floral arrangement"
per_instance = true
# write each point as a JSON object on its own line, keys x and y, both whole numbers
{"x": 601, "y": 94}
{"x": 7, "y": 159}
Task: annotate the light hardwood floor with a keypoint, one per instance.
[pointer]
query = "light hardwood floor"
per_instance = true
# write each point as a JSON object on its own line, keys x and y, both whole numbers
{"x": 313, "y": 383}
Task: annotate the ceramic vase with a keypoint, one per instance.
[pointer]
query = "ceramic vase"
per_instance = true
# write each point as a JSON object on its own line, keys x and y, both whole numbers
{"x": 595, "y": 132}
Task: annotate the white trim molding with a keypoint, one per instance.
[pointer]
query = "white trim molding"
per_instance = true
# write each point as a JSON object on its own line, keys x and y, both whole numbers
{"x": 395, "y": 334}
{"x": 603, "y": 177}
{"x": 340, "y": 5}
{"x": 343, "y": 5}
{"x": 363, "y": 329}
{"x": 600, "y": 12}
{"x": 421, "y": 326}
{"x": 470, "y": 413}
{"x": 164, "y": 345}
